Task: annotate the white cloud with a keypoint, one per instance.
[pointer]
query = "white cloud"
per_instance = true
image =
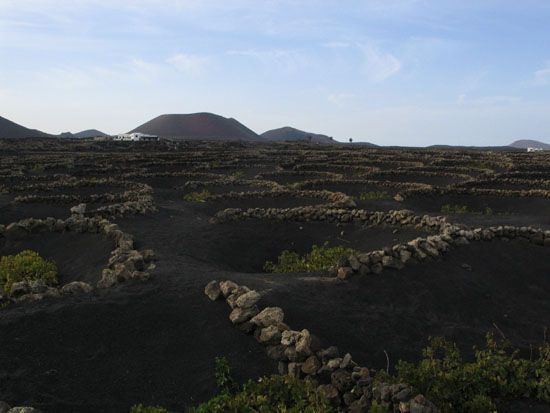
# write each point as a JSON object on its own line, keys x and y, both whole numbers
{"x": 542, "y": 76}
{"x": 339, "y": 99}
{"x": 188, "y": 63}
{"x": 378, "y": 65}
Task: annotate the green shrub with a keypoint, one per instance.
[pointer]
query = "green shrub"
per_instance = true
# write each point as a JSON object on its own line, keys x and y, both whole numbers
{"x": 496, "y": 373}
{"x": 464, "y": 209}
{"x": 322, "y": 258}
{"x": 366, "y": 196}
{"x": 223, "y": 375}
{"x": 201, "y": 196}
{"x": 140, "y": 408}
{"x": 274, "y": 394}
{"x": 26, "y": 266}
{"x": 237, "y": 175}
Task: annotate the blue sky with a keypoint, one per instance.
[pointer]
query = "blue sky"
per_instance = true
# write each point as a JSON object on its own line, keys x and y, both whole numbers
{"x": 403, "y": 72}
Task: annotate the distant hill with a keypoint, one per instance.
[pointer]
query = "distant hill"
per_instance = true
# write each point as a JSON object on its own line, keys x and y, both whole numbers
{"x": 527, "y": 143}
{"x": 292, "y": 134}
{"x": 197, "y": 126}
{"x": 9, "y": 129}
{"x": 89, "y": 133}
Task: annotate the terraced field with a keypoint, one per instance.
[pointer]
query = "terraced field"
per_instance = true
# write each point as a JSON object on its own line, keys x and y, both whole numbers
{"x": 444, "y": 243}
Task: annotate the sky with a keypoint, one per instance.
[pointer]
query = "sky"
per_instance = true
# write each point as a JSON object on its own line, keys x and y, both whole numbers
{"x": 391, "y": 72}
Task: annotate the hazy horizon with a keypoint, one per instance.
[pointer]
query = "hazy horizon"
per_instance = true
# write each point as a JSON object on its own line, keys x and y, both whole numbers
{"x": 404, "y": 72}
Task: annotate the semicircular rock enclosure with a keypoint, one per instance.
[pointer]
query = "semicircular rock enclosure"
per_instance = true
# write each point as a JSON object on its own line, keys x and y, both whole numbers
{"x": 128, "y": 268}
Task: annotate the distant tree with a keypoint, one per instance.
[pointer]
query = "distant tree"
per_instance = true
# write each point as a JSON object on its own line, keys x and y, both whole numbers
{"x": 350, "y": 140}
{"x": 309, "y": 138}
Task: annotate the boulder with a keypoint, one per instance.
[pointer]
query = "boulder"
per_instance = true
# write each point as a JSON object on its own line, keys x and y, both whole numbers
{"x": 341, "y": 379}
{"x": 76, "y": 287}
{"x": 227, "y": 287}
{"x": 303, "y": 344}
{"x": 330, "y": 392}
{"x": 311, "y": 365}
{"x": 212, "y": 290}
{"x": 19, "y": 288}
{"x": 79, "y": 209}
{"x": 248, "y": 299}
{"x": 240, "y": 315}
{"x": 344, "y": 273}
{"x": 270, "y": 335}
{"x": 269, "y": 316}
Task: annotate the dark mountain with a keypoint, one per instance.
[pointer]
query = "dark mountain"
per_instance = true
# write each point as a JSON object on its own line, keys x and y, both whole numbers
{"x": 9, "y": 129}
{"x": 197, "y": 126}
{"x": 89, "y": 133}
{"x": 292, "y": 134}
{"x": 527, "y": 143}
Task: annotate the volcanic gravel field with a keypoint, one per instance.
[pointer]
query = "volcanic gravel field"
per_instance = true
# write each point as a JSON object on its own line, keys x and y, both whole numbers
{"x": 154, "y": 340}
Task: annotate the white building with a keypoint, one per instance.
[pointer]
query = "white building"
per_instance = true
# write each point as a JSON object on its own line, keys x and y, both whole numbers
{"x": 534, "y": 149}
{"x": 136, "y": 137}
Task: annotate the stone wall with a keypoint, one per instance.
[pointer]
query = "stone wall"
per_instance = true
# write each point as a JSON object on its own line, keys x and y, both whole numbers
{"x": 125, "y": 263}
{"x": 298, "y": 353}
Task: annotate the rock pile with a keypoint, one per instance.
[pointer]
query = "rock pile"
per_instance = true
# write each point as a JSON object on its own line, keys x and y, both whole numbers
{"x": 421, "y": 249}
{"x": 5, "y": 408}
{"x": 125, "y": 262}
{"x": 329, "y": 214}
{"x": 299, "y": 353}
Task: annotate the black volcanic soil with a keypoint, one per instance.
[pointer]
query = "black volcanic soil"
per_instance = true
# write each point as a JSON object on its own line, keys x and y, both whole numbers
{"x": 79, "y": 257}
{"x": 17, "y": 211}
{"x": 506, "y": 210}
{"x": 155, "y": 342}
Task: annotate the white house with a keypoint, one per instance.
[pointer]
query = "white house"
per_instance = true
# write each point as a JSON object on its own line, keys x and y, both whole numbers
{"x": 136, "y": 137}
{"x": 534, "y": 149}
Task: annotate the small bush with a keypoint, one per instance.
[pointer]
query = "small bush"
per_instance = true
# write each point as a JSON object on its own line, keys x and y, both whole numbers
{"x": 464, "y": 209}
{"x": 201, "y": 196}
{"x": 274, "y": 394}
{"x": 236, "y": 176}
{"x": 223, "y": 375}
{"x": 322, "y": 258}
{"x": 140, "y": 408}
{"x": 371, "y": 195}
{"x": 26, "y": 266}
{"x": 465, "y": 387}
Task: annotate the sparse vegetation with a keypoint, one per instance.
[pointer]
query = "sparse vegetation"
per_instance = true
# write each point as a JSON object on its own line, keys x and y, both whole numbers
{"x": 223, "y": 375}
{"x": 273, "y": 394}
{"x": 497, "y": 373}
{"x": 464, "y": 209}
{"x": 140, "y": 408}
{"x": 199, "y": 196}
{"x": 26, "y": 266}
{"x": 237, "y": 175}
{"x": 373, "y": 195}
{"x": 321, "y": 258}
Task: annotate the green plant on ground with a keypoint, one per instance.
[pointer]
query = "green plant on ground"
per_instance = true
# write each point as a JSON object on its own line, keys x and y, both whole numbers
{"x": 321, "y": 258}
{"x": 37, "y": 168}
{"x": 273, "y": 394}
{"x": 200, "y": 196}
{"x": 223, "y": 375}
{"x": 464, "y": 209}
{"x": 371, "y": 195}
{"x": 497, "y": 372}
{"x": 26, "y": 266}
{"x": 140, "y": 408}
{"x": 237, "y": 175}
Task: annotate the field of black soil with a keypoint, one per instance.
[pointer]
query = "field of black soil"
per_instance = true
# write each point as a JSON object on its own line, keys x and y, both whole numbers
{"x": 382, "y": 249}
